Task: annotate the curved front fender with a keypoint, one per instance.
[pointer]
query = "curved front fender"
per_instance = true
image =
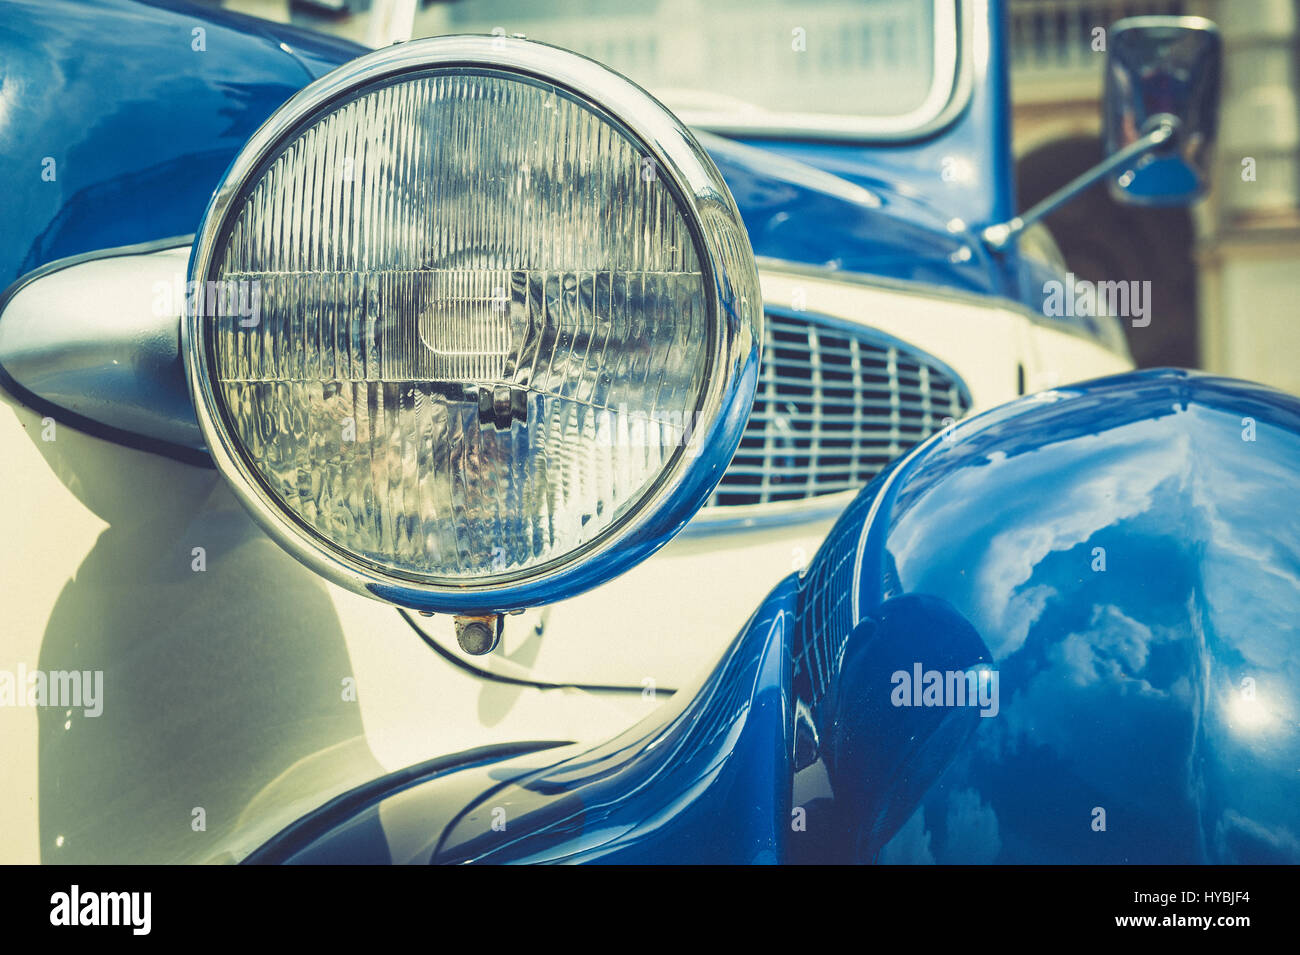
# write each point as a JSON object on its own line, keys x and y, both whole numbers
{"x": 1128, "y": 552}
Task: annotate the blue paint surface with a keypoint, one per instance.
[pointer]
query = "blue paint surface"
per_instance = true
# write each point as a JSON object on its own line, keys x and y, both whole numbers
{"x": 139, "y": 125}
{"x": 1128, "y": 552}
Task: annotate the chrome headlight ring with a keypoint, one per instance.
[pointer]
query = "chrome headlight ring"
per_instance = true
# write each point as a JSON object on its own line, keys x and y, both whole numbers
{"x": 730, "y": 295}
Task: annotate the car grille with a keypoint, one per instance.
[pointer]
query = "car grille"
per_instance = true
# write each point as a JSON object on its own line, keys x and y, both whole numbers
{"x": 835, "y": 403}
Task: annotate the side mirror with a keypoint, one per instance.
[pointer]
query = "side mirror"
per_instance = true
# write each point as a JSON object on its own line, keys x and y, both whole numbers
{"x": 1163, "y": 71}
{"x": 1161, "y": 114}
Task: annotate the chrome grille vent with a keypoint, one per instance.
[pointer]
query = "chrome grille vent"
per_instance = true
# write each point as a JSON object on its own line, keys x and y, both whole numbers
{"x": 836, "y": 403}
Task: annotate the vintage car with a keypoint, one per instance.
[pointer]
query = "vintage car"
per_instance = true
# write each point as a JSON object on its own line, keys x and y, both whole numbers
{"x": 449, "y": 452}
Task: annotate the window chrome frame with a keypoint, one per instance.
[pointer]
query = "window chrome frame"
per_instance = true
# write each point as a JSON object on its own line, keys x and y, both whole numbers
{"x": 951, "y": 86}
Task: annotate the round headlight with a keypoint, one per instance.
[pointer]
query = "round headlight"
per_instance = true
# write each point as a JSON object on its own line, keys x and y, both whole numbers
{"x": 468, "y": 314}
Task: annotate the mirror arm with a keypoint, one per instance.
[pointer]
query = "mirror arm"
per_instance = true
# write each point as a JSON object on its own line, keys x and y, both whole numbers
{"x": 1163, "y": 128}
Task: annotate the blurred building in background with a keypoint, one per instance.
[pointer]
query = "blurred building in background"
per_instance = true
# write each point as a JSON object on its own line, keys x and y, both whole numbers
{"x": 1225, "y": 275}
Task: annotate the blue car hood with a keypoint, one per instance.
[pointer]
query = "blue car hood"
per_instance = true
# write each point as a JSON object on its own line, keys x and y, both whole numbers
{"x": 118, "y": 142}
{"x": 155, "y": 120}
{"x": 801, "y": 213}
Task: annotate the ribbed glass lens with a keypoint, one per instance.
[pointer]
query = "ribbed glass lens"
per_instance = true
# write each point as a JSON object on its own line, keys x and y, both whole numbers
{"x": 469, "y": 328}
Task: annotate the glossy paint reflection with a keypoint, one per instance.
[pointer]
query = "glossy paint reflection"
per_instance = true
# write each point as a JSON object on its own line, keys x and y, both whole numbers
{"x": 1129, "y": 551}
{"x": 801, "y": 213}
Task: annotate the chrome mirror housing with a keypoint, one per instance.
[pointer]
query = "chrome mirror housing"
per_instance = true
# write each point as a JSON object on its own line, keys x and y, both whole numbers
{"x": 1162, "y": 72}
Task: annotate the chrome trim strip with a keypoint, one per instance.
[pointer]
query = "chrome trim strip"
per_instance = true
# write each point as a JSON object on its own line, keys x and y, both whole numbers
{"x": 735, "y": 314}
{"x": 55, "y": 265}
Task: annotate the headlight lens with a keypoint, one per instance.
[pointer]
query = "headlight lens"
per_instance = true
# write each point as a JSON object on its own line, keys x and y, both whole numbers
{"x": 480, "y": 322}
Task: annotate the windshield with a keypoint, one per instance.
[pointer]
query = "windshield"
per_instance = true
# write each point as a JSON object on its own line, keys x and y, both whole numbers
{"x": 865, "y": 66}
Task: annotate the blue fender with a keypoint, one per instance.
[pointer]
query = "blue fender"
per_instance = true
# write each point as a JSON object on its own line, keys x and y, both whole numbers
{"x": 1128, "y": 550}
{"x": 1111, "y": 570}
